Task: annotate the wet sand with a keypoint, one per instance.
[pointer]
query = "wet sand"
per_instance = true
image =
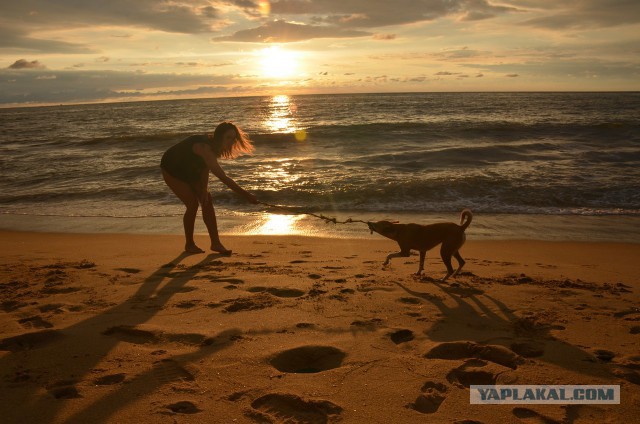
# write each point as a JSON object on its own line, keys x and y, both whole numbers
{"x": 125, "y": 328}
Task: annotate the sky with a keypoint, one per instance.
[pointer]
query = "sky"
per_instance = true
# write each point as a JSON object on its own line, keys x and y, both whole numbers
{"x": 77, "y": 51}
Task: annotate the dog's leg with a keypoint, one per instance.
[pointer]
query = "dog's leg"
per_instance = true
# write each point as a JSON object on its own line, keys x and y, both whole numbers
{"x": 423, "y": 253}
{"x": 445, "y": 254}
{"x": 401, "y": 254}
{"x": 461, "y": 263}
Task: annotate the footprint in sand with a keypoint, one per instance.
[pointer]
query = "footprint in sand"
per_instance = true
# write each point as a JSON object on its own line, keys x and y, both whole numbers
{"x": 305, "y": 325}
{"x": 183, "y": 407}
{"x": 135, "y": 335}
{"x": 64, "y": 390}
{"x": 35, "y": 322}
{"x": 258, "y": 301}
{"x": 410, "y": 300}
{"x": 532, "y": 416}
{"x": 277, "y": 291}
{"x": 109, "y": 380}
{"x": 132, "y": 335}
{"x": 369, "y": 287}
{"x": 56, "y": 308}
{"x": 432, "y": 396}
{"x": 528, "y": 349}
{"x": 467, "y": 349}
{"x": 168, "y": 370}
{"x": 401, "y": 336}
{"x": 217, "y": 279}
{"x": 470, "y": 373}
{"x": 11, "y": 305}
{"x": 185, "y": 289}
{"x": 187, "y": 304}
{"x": 308, "y": 359}
{"x": 30, "y": 341}
{"x": 370, "y": 324}
{"x": 289, "y": 408}
{"x": 627, "y": 373}
{"x": 129, "y": 270}
{"x": 59, "y": 290}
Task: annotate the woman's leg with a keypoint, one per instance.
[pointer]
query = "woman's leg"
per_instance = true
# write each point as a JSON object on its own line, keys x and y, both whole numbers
{"x": 186, "y": 194}
{"x": 209, "y": 214}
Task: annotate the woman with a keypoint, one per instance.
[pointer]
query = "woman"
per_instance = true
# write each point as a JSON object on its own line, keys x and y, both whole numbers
{"x": 185, "y": 168}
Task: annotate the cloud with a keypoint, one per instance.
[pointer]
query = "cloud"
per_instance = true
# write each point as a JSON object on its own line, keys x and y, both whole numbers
{"x": 181, "y": 16}
{"x": 42, "y": 86}
{"x": 24, "y": 64}
{"x": 370, "y": 14}
{"x": 570, "y": 70}
{"x": 448, "y": 55}
{"x": 512, "y": 75}
{"x": 13, "y": 38}
{"x": 584, "y": 14}
{"x": 336, "y": 18}
{"x": 279, "y": 31}
{"x": 384, "y": 36}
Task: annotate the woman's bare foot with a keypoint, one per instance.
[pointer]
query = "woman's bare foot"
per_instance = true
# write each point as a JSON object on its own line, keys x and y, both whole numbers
{"x": 218, "y": 247}
{"x": 192, "y": 248}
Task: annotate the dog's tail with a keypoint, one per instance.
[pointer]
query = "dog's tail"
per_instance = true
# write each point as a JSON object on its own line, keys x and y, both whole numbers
{"x": 466, "y": 213}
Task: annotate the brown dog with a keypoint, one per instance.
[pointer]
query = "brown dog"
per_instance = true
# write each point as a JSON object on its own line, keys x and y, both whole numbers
{"x": 426, "y": 237}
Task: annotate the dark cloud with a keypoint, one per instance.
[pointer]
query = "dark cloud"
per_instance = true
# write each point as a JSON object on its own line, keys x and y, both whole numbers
{"x": 585, "y": 14}
{"x": 25, "y": 64}
{"x": 283, "y": 32}
{"x": 41, "y": 86}
{"x": 350, "y": 18}
{"x": 180, "y": 16}
{"x": 12, "y": 38}
{"x": 569, "y": 69}
{"x": 369, "y": 14}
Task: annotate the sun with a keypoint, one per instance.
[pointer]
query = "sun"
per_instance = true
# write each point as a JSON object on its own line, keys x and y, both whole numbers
{"x": 276, "y": 62}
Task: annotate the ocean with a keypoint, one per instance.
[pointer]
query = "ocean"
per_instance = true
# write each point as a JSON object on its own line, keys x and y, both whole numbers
{"x": 550, "y": 166}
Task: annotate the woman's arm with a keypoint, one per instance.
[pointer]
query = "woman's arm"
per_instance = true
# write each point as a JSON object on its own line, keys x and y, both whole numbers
{"x": 210, "y": 159}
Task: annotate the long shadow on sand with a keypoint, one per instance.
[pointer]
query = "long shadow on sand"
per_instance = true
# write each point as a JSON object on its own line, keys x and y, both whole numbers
{"x": 477, "y": 317}
{"x": 80, "y": 347}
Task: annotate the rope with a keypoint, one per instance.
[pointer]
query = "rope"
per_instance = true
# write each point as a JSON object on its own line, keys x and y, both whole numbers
{"x": 324, "y": 218}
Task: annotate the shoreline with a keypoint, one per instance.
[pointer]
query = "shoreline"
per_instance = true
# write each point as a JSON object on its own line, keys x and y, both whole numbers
{"x": 579, "y": 228}
{"x": 127, "y": 328}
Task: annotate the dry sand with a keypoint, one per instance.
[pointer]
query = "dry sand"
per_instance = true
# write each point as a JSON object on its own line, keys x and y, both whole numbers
{"x": 123, "y": 328}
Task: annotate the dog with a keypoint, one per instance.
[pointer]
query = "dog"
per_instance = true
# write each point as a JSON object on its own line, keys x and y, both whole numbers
{"x": 426, "y": 237}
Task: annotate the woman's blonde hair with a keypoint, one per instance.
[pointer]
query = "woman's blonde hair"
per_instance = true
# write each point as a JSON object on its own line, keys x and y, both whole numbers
{"x": 241, "y": 146}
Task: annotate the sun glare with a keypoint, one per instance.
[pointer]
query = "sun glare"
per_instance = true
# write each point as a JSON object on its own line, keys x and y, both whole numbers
{"x": 273, "y": 224}
{"x": 276, "y": 62}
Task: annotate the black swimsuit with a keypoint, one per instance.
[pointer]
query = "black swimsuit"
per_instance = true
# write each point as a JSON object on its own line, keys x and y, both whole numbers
{"x": 181, "y": 162}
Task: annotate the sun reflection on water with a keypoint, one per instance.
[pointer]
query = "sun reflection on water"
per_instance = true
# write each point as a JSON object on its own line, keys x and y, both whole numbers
{"x": 281, "y": 117}
{"x": 274, "y": 224}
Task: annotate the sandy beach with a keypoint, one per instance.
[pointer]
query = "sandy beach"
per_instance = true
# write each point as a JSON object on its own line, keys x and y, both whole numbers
{"x": 125, "y": 328}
